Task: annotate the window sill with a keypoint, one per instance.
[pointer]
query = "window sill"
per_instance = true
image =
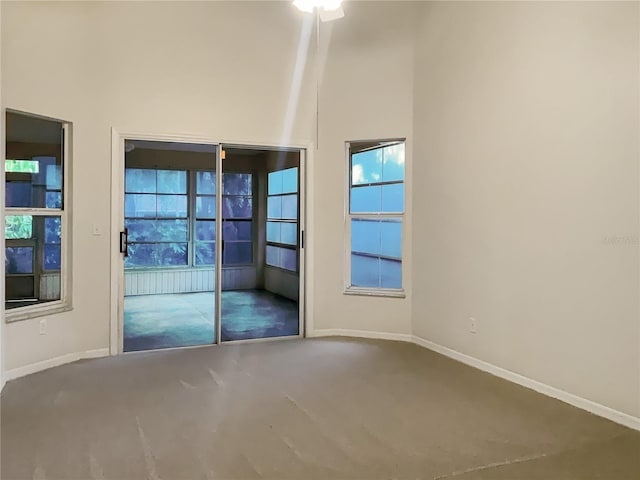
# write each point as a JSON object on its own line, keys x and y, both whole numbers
{"x": 28, "y": 313}
{"x": 365, "y": 292}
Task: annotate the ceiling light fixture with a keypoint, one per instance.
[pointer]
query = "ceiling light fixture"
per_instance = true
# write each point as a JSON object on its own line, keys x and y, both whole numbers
{"x": 328, "y": 9}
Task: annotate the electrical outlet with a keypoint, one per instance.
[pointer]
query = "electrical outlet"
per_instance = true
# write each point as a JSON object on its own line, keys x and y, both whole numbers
{"x": 43, "y": 326}
{"x": 473, "y": 325}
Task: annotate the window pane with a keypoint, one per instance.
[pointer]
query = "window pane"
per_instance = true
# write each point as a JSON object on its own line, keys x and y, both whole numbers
{"x": 393, "y": 198}
{"x": 390, "y": 273}
{"x": 391, "y": 238}
{"x": 205, "y": 253}
{"x": 136, "y": 205}
{"x": 237, "y": 207}
{"x": 172, "y": 181}
{"x": 273, "y": 255}
{"x": 40, "y": 166}
{"x": 52, "y": 229}
{"x": 274, "y": 207}
{"x": 288, "y": 259}
{"x": 290, "y": 180}
{"x": 205, "y": 229}
{"x": 156, "y": 254}
{"x": 157, "y": 230}
{"x": 236, "y": 230}
{"x": 54, "y": 199}
{"x": 365, "y": 236}
{"x": 289, "y": 233}
{"x": 206, "y": 207}
{"x": 236, "y": 253}
{"x": 365, "y": 271}
{"x": 281, "y": 257}
{"x": 206, "y": 183}
{"x": 18, "y": 194}
{"x": 172, "y": 254}
{"x": 172, "y": 206}
{"x": 290, "y": 207}
{"x": 236, "y": 183}
{"x": 54, "y": 176}
{"x": 52, "y": 257}
{"x": 275, "y": 183}
{"x": 366, "y": 199}
{"x": 273, "y": 232}
{"x": 18, "y": 227}
{"x": 393, "y": 168}
{"x": 18, "y": 260}
{"x": 138, "y": 180}
{"x": 366, "y": 167}
{"x": 19, "y": 288}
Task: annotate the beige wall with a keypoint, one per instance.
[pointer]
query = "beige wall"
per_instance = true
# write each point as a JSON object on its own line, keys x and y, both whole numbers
{"x": 220, "y": 69}
{"x": 366, "y": 93}
{"x": 527, "y": 152}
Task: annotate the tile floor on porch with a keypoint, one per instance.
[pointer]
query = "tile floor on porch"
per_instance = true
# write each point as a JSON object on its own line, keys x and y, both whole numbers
{"x": 186, "y": 319}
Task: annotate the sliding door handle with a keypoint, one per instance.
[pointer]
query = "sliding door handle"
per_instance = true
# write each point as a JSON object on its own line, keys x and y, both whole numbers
{"x": 124, "y": 242}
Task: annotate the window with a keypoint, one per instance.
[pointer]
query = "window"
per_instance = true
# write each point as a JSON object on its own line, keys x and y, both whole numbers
{"x": 36, "y": 211}
{"x": 155, "y": 209}
{"x": 282, "y": 219}
{"x": 205, "y": 218}
{"x": 237, "y": 215}
{"x": 171, "y": 218}
{"x": 375, "y": 216}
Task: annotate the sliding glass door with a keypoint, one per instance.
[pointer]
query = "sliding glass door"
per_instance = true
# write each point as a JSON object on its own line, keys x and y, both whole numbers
{"x": 208, "y": 257}
{"x": 169, "y": 244}
{"x": 260, "y": 247}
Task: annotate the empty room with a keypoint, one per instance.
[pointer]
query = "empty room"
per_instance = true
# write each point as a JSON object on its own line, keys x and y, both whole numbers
{"x": 320, "y": 239}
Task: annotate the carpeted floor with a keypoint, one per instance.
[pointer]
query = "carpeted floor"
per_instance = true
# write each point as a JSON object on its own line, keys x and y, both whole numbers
{"x": 299, "y": 409}
{"x": 187, "y": 319}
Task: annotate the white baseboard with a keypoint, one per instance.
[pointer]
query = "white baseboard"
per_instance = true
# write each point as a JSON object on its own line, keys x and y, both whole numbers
{"x": 342, "y": 332}
{"x": 53, "y": 362}
{"x": 582, "y": 403}
{"x": 579, "y": 402}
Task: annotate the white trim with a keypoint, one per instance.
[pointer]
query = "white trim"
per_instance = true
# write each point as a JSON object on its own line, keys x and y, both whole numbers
{"x": 309, "y": 280}
{"x": 375, "y": 292}
{"x": 345, "y": 332}
{"x": 553, "y": 392}
{"x": 54, "y": 362}
{"x": 219, "y": 194}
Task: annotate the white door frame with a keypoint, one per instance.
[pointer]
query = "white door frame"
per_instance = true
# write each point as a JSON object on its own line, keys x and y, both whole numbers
{"x": 117, "y": 225}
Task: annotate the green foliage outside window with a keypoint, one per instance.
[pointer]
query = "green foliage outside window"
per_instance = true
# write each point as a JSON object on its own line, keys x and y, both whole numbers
{"x": 22, "y": 166}
{"x": 18, "y": 227}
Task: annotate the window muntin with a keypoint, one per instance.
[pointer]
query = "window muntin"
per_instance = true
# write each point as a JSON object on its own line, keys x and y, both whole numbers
{"x": 376, "y": 211}
{"x": 282, "y": 219}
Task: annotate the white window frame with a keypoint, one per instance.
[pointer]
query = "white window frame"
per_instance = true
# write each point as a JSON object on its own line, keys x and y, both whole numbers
{"x": 348, "y": 216}
{"x": 65, "y": 303}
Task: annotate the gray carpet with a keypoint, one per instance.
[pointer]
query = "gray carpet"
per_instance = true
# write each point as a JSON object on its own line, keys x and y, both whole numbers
{"x": 298, "y": 409}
